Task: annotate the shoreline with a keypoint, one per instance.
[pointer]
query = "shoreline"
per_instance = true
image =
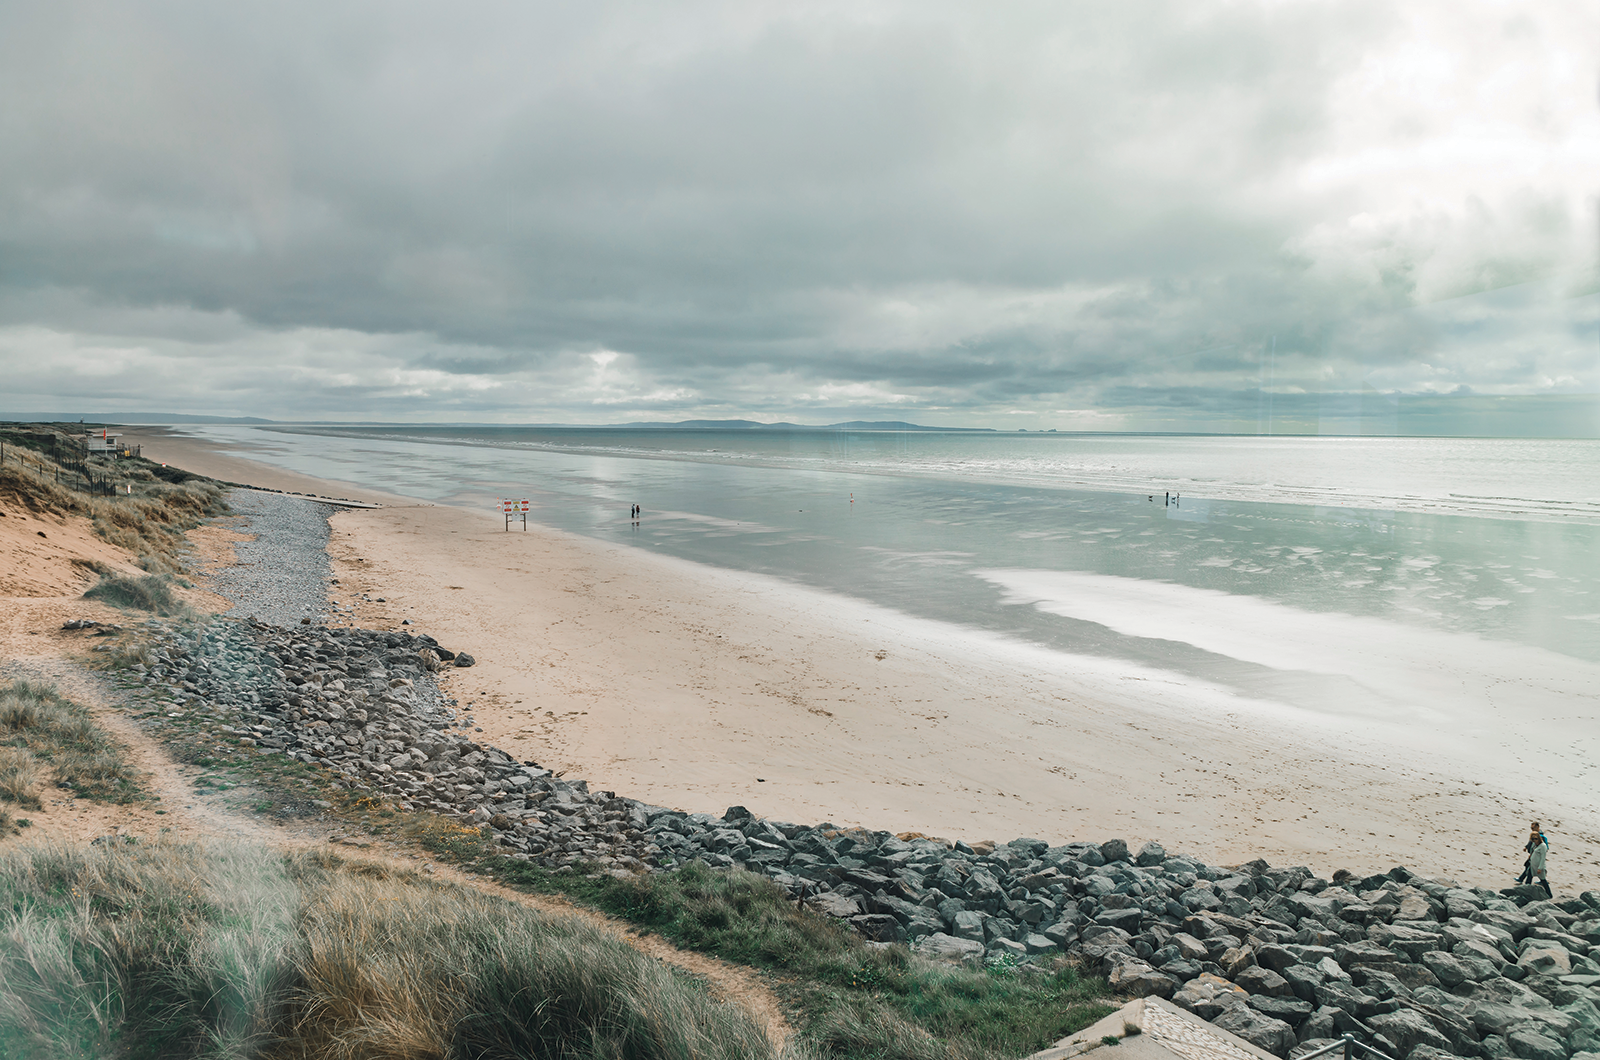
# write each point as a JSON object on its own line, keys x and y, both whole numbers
{"x": 701, "y": 688}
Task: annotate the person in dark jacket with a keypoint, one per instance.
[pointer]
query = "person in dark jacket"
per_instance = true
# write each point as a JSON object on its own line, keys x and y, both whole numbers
{"x": 1537, "y": 846}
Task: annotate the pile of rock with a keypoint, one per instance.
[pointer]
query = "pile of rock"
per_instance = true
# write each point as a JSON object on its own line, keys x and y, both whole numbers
{"x": 1423, "y": 968}
{"x": 365, "y": 704}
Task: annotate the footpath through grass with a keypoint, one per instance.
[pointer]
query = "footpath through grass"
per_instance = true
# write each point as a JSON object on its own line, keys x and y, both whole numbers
{"x": 44, "y": 733}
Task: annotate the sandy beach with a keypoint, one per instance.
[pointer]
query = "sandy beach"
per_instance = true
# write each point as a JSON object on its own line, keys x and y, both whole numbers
{"x": 699, "y": 688}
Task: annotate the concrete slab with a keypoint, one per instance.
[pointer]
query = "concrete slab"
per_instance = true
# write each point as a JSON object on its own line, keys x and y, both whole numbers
{"x": 1152, "y": 1029}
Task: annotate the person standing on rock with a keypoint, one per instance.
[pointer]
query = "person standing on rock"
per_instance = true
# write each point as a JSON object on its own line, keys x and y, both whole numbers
{"x": 1537, "y": 847}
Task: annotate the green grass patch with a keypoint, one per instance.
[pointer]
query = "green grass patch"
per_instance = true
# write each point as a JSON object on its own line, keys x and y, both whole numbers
{"x": 40, "y": 727}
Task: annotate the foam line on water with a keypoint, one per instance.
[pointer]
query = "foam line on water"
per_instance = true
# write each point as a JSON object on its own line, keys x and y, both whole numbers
{"x": 1498, "y": 702}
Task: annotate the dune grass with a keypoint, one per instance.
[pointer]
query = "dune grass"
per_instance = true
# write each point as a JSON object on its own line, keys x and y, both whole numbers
{"x": 152, "y": 593}
{"x": 21, "y": 776}
{"x": 168, "y": 950}
{"x": 40, "y": 728}
{"x": 148, "y": 512}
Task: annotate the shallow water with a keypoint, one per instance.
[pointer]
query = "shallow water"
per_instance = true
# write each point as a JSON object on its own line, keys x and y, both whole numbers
{"x": 1424, "y": 572}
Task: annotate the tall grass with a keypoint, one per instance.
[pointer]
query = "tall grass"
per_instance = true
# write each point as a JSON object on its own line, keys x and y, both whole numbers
{"x": 180, "y": 951}
{"x": 151, "y": 525}
{"x": 20, "y": 778}
{"x": 153, "y": 593}
{"x": 147, "y": 515}
{"x": 38, "y": 726}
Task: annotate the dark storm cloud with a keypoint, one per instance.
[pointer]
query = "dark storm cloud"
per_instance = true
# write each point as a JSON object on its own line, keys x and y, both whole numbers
{"x": 578, "y": 212}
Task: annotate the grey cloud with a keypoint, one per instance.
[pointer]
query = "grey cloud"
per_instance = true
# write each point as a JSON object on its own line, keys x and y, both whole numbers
{"x": 404, "y": 209}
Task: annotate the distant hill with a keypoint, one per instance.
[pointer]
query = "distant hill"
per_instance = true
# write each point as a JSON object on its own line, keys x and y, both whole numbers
{"x": 126, "y": 417}
{"x": 687, "y": 425}
{"x": 755, "y": 425}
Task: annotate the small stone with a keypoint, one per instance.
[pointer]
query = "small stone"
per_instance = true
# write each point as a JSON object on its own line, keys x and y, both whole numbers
{"x": 1182, "y": 970}
{"x": 1114, "y": 850}
{"x": 1547, "y": 960}
{"x": 1257, "y": 980}
{"x": 941, "y": 947}
{"x": 1447, "y": 967}
{"x": 1063, "y": 934}
{"x": 1036, "y": 944}
{"x": 1291, "y": 1010}
{"x": 968, "y": 925}
{"x": 1261, "y": 1031}
{"x": 1208, "y": 996}
{"x": 1407, "y": 1029}
{"x": 1529, "y": 1044}
{"x": 1151, "y": 853}
{"x": 881, "y": 927}
{"x": 1235, "y": 960}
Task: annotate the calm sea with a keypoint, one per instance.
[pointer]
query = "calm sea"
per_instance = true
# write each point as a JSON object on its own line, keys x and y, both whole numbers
{"x": 1279, "y": 567}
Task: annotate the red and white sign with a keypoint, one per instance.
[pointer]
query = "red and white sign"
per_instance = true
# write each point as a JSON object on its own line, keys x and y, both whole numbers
{"x": 515, "y": 510}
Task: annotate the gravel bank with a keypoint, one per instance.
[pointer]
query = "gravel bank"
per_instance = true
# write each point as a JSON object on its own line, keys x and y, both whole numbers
{"x": 282, "y": 576}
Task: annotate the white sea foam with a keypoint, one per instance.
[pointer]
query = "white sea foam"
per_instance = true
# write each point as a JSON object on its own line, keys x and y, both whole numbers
{"x": 1492, "y": 701}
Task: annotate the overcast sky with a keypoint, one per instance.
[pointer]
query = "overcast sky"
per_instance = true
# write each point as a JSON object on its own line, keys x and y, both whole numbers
{"x": 1157, "y": 214}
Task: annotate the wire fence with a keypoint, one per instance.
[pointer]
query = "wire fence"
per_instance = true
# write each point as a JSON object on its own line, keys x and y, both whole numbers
{"x": 67, "y": 464}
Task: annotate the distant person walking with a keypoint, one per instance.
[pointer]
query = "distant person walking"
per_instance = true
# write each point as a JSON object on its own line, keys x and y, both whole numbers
{"x": 1537, "y": 846}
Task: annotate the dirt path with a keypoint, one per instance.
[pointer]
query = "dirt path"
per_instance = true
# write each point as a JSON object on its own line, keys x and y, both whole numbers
{"x": 34, "y": 647}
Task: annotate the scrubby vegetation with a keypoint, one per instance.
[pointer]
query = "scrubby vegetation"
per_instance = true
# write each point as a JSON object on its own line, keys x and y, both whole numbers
{"x": 40, "y": 730}
{"x": 133, "y": 503}
{"x": 166, "y": 950}
{"x": 151, "y": 593}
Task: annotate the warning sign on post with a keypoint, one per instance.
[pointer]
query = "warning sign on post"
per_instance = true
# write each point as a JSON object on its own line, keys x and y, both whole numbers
{"x": 513, "y": 510}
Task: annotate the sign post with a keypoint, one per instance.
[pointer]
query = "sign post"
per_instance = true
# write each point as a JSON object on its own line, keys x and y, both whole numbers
{"x": 512, "y": 510}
